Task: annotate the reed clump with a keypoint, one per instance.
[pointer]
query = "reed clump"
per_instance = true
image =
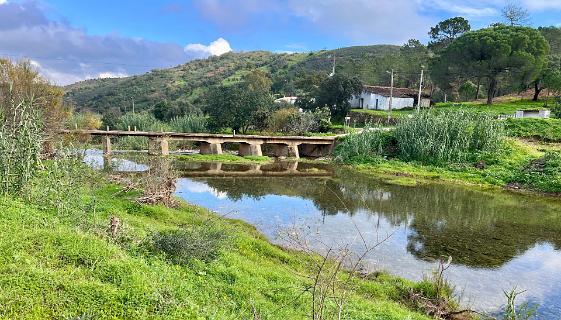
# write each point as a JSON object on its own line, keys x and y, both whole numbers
{"x": 443, "y": 137}
{"x": 429, "y": 137}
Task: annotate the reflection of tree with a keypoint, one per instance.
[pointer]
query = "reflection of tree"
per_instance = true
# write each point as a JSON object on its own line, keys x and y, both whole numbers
{"x": 476, "y": 228}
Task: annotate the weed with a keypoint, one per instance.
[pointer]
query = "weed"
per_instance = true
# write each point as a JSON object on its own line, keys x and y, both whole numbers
{"x": 183, "y": 245}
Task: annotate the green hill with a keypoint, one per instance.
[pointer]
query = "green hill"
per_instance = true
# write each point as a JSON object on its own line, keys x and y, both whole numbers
{"x": 187, "y": 83}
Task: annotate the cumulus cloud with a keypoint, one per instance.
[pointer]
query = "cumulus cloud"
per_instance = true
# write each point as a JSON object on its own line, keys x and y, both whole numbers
{"x": 66, "y": 54}
{"x": 215, "y": 48}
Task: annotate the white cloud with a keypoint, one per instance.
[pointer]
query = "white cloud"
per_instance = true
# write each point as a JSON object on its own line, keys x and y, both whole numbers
{"x": 215, "y": 48}
{"x": 541, "y": 5}
{"x": 3, "y": 1}
{"x": 390, "y": 21}
{"x": 109, "y": 74}
{"x": 65, "y": 54}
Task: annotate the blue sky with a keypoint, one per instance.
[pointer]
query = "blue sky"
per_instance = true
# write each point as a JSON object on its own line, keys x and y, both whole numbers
{"x": 74, "y": 40}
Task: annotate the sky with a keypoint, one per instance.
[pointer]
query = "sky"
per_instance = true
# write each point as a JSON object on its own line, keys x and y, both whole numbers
{"x": 69, "y": 40}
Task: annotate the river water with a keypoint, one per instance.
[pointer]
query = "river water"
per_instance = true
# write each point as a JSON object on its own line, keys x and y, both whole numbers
{"x": 497, "y": 240}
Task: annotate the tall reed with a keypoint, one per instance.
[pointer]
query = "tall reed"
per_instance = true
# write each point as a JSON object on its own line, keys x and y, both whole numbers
{"x": 21, "y": 140}
{"x": 189, "y": 123}
{"x": 367, "y": 146}
{"x": 439, "y": 137}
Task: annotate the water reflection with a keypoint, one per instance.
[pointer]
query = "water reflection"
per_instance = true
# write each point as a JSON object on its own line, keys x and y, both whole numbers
{"x": 497, "y": 240}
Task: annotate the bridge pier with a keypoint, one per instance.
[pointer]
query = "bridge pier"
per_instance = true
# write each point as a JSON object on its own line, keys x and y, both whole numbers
{"x": 211, "y": 148}
{"x": 316, "y": 150}
{"x": 250, "y": 149}
{"x": 106, "y": 142}
{"x": 293, "y": 151}
{"x": 286, "y": 150}
{"x": 158, "y": 146}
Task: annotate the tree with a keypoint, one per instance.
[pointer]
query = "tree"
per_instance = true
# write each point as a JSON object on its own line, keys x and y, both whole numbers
{"x": 307, "y": 88}
{"x": 446, "y": 31}
{"x": 332, "y": 92}
{"x": 413, "y": 56}
{"x": 335, "y": 93}
{"x": 238, "y": 106}
{"x": 515, "y": 15}
{"x": 492, "y": 54}
{"x": 544, "y": 79}
{"x": 165, "y": 111}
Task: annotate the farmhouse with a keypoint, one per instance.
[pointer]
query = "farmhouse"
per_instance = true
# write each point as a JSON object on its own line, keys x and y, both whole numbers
{"x": 378, "y": 98}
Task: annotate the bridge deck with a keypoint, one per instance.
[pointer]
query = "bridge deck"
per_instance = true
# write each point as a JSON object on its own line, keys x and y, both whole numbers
{"x": 207, "y": 136}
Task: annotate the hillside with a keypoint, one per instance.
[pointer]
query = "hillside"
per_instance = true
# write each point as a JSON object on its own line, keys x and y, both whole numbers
{"x": 186, "y": 84}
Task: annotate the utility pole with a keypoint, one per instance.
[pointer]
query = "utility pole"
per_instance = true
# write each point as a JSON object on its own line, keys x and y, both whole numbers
{"x": 420, "y": 88}
{"x": 391, "y": 95}
{"x": 132, "y": 105}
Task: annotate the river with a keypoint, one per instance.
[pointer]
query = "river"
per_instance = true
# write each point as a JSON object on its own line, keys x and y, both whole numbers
{"x": 497, "y": 240}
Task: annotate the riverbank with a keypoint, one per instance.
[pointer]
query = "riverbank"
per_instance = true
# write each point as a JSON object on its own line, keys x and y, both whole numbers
{"x": 527, "y": 167}
{"x": 63, "y": 258}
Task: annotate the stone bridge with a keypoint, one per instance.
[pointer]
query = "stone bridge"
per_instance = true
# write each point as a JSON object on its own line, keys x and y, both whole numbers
{"x": 249, "y": 145}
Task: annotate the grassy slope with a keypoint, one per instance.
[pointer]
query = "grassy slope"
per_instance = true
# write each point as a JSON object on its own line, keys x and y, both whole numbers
{"x": 542, "y": 129}
{"x": 66, "y": 266}
{"x": 494, "y": 175}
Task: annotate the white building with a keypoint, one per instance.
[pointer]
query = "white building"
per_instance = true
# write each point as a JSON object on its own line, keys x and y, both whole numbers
{"x": 378, "y": 98}
{"x": 291, "y": 100}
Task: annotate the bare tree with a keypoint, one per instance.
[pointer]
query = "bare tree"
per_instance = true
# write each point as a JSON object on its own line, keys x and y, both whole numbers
{"x": 515, "y": 15}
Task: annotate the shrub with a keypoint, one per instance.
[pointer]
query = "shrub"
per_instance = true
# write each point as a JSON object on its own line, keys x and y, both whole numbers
{"x": 308, "y": 121}
{"x": 439, "y": 137}
{"x": 367, "y": 146}
{"x": 86, "y": 120}
{"x": 278, "y": 122}
{"x": 182, "y": 245}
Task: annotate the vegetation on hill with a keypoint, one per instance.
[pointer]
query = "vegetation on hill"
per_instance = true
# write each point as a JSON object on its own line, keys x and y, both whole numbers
{"x": 186, "y": 85}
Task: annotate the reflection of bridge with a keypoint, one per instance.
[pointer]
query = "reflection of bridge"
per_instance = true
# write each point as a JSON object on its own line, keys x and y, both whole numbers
{"x": 249, "y": 145}
{"x": 277, "y": 169}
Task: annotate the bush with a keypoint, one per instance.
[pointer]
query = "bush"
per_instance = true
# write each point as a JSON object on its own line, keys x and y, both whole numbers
{"x": 86, "y": 120}
{"x": 183, "y": 245}
{"x": 440, "y": 137}
{"x": 292, "y": 121}
{"x": 278, "y": 122}
{"x": 367, "y": 146}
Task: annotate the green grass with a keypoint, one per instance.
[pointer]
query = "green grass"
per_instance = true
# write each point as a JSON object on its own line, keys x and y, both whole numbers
{"x": 54, "y": 266}
{"x": 232, "y": 158}
{"x": 548, "y": 130}
{"x": 514, "y": 165}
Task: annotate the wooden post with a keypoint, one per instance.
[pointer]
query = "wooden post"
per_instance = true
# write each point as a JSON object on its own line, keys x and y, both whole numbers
{"x": 106, "y": 141}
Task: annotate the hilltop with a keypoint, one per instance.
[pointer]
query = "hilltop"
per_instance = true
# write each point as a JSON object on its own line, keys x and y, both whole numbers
{"x": 186, "y": 84}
